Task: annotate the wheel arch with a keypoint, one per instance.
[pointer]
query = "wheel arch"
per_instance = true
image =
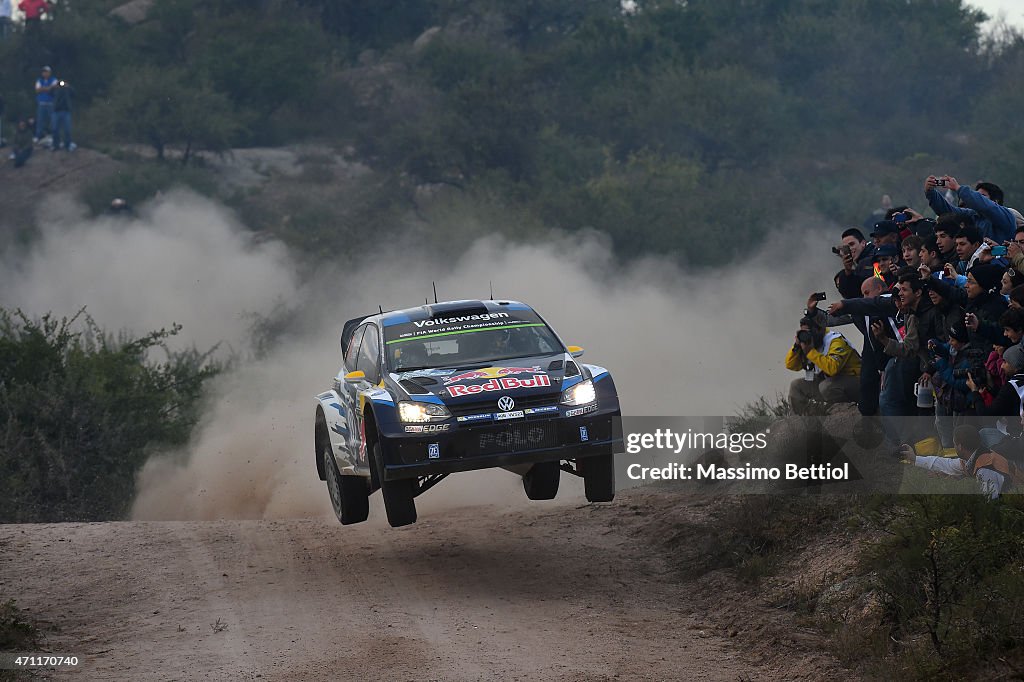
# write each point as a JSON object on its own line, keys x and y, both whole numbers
{"x": 320, "y": 438}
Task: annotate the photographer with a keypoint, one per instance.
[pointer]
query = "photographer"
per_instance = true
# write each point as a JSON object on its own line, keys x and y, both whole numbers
{"x": 983, "y": 204}
{"x": 873, "y": 357}
{"x": 831, "y": 367}
{"x": 858, "y": 257}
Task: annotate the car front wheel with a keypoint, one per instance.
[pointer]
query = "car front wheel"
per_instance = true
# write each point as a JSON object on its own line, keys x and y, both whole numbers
{"x": 398, "y": 495}
{"x": 541, "y": 481}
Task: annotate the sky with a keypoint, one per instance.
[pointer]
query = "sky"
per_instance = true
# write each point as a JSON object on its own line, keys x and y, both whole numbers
{"x": 1012, "y": 10}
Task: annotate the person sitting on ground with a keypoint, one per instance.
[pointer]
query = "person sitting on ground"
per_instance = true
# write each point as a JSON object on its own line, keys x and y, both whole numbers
{"x": 831, "y": 367}
{"x": 22, "y": 144}
{"x": 994, "y": 473}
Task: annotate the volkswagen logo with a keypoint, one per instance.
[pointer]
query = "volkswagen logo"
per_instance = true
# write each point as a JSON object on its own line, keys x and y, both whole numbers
{"x": 505, "y": 404}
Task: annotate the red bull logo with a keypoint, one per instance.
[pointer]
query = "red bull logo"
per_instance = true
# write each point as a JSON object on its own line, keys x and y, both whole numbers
{"x": 489, "y": 373}
{"x": 500, "y": 384}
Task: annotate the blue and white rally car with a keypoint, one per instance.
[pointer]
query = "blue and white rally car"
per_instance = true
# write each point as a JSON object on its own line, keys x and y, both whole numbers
{"x": 457, "y": 386}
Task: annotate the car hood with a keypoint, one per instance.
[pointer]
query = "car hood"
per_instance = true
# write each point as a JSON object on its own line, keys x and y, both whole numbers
{"x": 516, "y": 377}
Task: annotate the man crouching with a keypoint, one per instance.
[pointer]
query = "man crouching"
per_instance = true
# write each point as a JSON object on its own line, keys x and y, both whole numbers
{"x": 831, "y": 368}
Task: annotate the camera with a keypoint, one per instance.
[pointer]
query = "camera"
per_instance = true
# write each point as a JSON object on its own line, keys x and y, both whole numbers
{"x": 842, "y": 250}
{"x": 818, "y": 296}
{"x": 804, "y": 336}
{"x": 900, "y": 217}
{"x": 941, "y": 182}
{"x": 975, "y": 367}
{"x": 998, "y": 251}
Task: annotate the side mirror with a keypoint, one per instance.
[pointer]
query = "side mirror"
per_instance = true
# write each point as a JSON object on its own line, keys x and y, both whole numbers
{"x": 356, "y": 377}
{"x": 575, "y": 351}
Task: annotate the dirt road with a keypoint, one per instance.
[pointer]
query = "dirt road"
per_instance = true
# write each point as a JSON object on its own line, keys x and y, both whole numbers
{"x": 554, "y": 591}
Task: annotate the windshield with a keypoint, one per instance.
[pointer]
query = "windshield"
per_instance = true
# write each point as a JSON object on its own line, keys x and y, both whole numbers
{"x": 467, "y": 340}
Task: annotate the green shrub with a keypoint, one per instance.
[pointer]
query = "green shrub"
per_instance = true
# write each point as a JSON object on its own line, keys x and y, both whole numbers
{"x": 81, "y": 411}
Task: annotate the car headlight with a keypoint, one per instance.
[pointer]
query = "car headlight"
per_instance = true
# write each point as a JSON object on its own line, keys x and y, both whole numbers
{"x": 580, "y": 394}
{"x": 421, "y": 412}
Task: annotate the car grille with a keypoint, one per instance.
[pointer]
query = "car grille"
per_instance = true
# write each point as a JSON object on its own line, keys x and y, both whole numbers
{"x": 514, "y": 437}
{"x": 491, "y": 405}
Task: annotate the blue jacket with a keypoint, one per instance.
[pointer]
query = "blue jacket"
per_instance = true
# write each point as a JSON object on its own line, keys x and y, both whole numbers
{"x": 953, "y": 392}
{"x": 995, "y": 221}
{"x": 46, "y": 96}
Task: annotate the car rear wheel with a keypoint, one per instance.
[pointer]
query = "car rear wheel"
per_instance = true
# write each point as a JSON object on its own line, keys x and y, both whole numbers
{"x": 541, "y": 481}
{"x": 350, "y": 496}
{"x": 598, "y": 477}
{"x": 398, "y": 495}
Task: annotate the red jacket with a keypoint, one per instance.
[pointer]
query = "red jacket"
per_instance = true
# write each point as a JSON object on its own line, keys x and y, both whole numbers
{"x": 33, "y": 8}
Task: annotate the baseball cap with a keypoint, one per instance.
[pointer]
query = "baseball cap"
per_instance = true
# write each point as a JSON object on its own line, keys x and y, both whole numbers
{"x": 886, "y": 250}
{"x": 884, "y": 227}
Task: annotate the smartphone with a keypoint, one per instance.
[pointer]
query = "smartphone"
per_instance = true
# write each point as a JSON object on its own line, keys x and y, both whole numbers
{"x": 998, "y": 251}
{"x": 819, "y": 296}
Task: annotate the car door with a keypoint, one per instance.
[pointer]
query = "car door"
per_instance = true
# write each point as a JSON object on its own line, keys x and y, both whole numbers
{"x": 347, "y": 423}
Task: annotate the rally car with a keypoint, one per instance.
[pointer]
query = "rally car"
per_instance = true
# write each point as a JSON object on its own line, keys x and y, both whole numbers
{"x": 457, "y": 386}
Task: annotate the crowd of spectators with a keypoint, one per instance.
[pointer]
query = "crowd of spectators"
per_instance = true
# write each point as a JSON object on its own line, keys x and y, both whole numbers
{"x": 940, "y": 305}
{"x": 51, "y": 127}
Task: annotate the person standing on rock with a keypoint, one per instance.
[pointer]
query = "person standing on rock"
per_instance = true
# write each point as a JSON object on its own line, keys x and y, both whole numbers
{"x": 5, "y": 18}
{"x": 33, "y": 11}
{"x": 45, "y": 85}
{"x": 62, "y": 117}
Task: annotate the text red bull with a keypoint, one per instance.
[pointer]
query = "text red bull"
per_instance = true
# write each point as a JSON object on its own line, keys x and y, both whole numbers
{"x": 489, "y": 373}
{"x": 503, "y": 384}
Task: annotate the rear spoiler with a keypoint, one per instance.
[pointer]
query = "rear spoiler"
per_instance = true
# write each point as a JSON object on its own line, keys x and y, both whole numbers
{"x": 346, "y": 333}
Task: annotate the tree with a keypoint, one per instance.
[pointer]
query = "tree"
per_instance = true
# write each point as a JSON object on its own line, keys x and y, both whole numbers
{"x": 162, "y": 107}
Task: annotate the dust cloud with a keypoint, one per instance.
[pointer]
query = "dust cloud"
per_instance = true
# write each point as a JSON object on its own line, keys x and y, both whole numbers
{"x": 678, "y": 342}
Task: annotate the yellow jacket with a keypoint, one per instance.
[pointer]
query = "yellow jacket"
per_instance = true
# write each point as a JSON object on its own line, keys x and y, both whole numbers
{"x": 840, "y": 360}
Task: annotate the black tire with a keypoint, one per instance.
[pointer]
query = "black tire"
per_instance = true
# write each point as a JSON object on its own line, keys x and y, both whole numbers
{"x": 399, "y": 502}
{"x": 598, "y": 477}
{"x": 350, "y": 495}
{"x": 541, "y": 481}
